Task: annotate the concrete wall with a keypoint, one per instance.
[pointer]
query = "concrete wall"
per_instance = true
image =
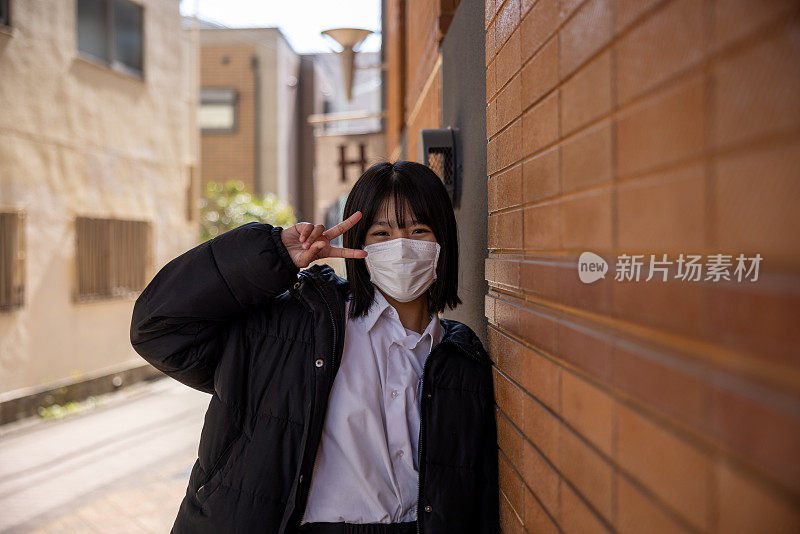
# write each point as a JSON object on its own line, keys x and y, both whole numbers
{"x": 463, "y": 107}
{"x": 644, "y": 127}
{"x": 77, "y": 138}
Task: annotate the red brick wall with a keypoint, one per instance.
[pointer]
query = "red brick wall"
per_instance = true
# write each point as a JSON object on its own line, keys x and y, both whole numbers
{"x": 230, "y": 156}
{"x": 427, "y": 112}
{"x": 644, "y": 127}
{"x": 415, "y": 29}
{"x": 394, "y": 45}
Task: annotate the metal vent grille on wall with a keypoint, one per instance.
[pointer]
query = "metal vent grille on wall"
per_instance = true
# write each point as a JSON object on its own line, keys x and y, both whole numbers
{"x": 12, "y": 260}
{"x": 438, "y": 150}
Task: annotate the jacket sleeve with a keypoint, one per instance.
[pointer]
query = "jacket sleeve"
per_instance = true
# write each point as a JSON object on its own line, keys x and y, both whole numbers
{"x": 182, "y": 318}
{"x": 490, "y": 489}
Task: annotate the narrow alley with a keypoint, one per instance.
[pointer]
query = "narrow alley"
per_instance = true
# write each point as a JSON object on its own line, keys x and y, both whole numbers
{"x": 121, "y": 467}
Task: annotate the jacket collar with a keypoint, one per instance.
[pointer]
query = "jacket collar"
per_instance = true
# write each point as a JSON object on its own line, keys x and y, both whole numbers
{"x": 335, "y": 287}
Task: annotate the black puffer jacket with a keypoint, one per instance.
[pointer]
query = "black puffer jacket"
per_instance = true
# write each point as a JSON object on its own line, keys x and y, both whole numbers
{"x": 231, "y": 317}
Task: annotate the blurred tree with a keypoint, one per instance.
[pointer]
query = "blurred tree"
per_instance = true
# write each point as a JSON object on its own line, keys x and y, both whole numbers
{"x": 229, "y": 205}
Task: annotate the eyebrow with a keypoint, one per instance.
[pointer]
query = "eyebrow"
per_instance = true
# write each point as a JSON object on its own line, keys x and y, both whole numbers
{"x": 385, "y": 223}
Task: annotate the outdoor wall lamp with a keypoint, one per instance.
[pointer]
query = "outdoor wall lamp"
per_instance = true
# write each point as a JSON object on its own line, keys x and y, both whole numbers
{"x": 438, "y": 149}
{"x": 349, "y": 38}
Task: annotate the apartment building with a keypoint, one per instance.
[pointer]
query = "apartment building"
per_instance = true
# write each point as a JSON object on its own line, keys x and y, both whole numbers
{"x": 249, "y": 110}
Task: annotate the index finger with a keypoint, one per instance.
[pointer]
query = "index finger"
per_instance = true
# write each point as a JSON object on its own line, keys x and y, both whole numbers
{"x": 339, "y": 252}
{"x": 342, "y": 227}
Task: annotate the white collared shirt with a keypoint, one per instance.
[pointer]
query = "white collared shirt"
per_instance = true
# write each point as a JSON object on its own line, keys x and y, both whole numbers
{"x": 366, "y": 467}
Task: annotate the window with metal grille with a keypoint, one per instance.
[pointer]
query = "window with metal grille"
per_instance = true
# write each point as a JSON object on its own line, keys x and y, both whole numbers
{"x": 113, "y": 257}
{"x": 12, "y": 260}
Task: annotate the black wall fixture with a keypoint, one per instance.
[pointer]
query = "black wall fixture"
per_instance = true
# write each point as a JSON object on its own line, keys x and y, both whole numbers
{"x": 439, "y": 151}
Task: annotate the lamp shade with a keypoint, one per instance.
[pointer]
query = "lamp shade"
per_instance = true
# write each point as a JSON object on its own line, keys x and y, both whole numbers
{"x": 349, "y": 38}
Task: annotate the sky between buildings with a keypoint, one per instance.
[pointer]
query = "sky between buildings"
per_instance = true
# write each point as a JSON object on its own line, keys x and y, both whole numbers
{"x": 301, "y": 21}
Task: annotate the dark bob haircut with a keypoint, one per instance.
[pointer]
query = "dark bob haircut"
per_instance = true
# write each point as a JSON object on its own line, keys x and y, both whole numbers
{"x": 412, "y": 185}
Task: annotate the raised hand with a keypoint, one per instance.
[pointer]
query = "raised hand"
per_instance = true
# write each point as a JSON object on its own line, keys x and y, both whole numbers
{"x": 307, "y": 242}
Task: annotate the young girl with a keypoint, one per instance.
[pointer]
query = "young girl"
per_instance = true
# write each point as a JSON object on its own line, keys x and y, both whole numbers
{"x": 338, "y": 406}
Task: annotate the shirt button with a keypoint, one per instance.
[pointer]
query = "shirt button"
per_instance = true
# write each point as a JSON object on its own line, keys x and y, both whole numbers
{"x": 400, "y": 453}
{"x": 428, "y": 508}
{"x": 318, "y": 363}
{"x": 394, "y": 393}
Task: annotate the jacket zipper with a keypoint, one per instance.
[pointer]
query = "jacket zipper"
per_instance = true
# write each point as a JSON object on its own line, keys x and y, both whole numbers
{"x": 421, "y": 441}
{"x": 333, "y": 357}
{"x": 422, "y": 435}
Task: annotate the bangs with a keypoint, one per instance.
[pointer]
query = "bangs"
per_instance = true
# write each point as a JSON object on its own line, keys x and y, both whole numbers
{"x": 406, "y": 196}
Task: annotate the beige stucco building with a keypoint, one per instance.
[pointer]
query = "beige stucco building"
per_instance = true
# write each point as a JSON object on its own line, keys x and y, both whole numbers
{"x": 99, "y": 150}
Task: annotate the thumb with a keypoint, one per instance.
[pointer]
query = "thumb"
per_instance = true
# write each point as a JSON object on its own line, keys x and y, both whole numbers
{"x": 313, "y": 251}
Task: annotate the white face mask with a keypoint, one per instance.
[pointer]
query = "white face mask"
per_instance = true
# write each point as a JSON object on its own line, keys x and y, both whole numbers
{"x": 403, "y": 268}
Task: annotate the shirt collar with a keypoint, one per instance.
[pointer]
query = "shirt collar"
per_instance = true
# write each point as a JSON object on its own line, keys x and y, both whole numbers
{"x": 433, "y": 332}
{"x": 381, "y": 306}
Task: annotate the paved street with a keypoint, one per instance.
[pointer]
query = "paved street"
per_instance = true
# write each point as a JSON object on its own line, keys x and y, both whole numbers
{"x": 119, "y": 468}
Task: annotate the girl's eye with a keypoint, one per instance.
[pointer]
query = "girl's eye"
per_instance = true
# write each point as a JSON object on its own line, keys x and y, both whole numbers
{"x": 383, "y": 232}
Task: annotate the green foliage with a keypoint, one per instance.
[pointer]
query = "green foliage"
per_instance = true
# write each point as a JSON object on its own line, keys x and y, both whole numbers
{"x": 229, "y": 205}
{"x": 58, "y": 411}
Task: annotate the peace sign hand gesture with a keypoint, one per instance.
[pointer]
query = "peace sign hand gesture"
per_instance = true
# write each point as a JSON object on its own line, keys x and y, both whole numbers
{"x": 307, "y": 242}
